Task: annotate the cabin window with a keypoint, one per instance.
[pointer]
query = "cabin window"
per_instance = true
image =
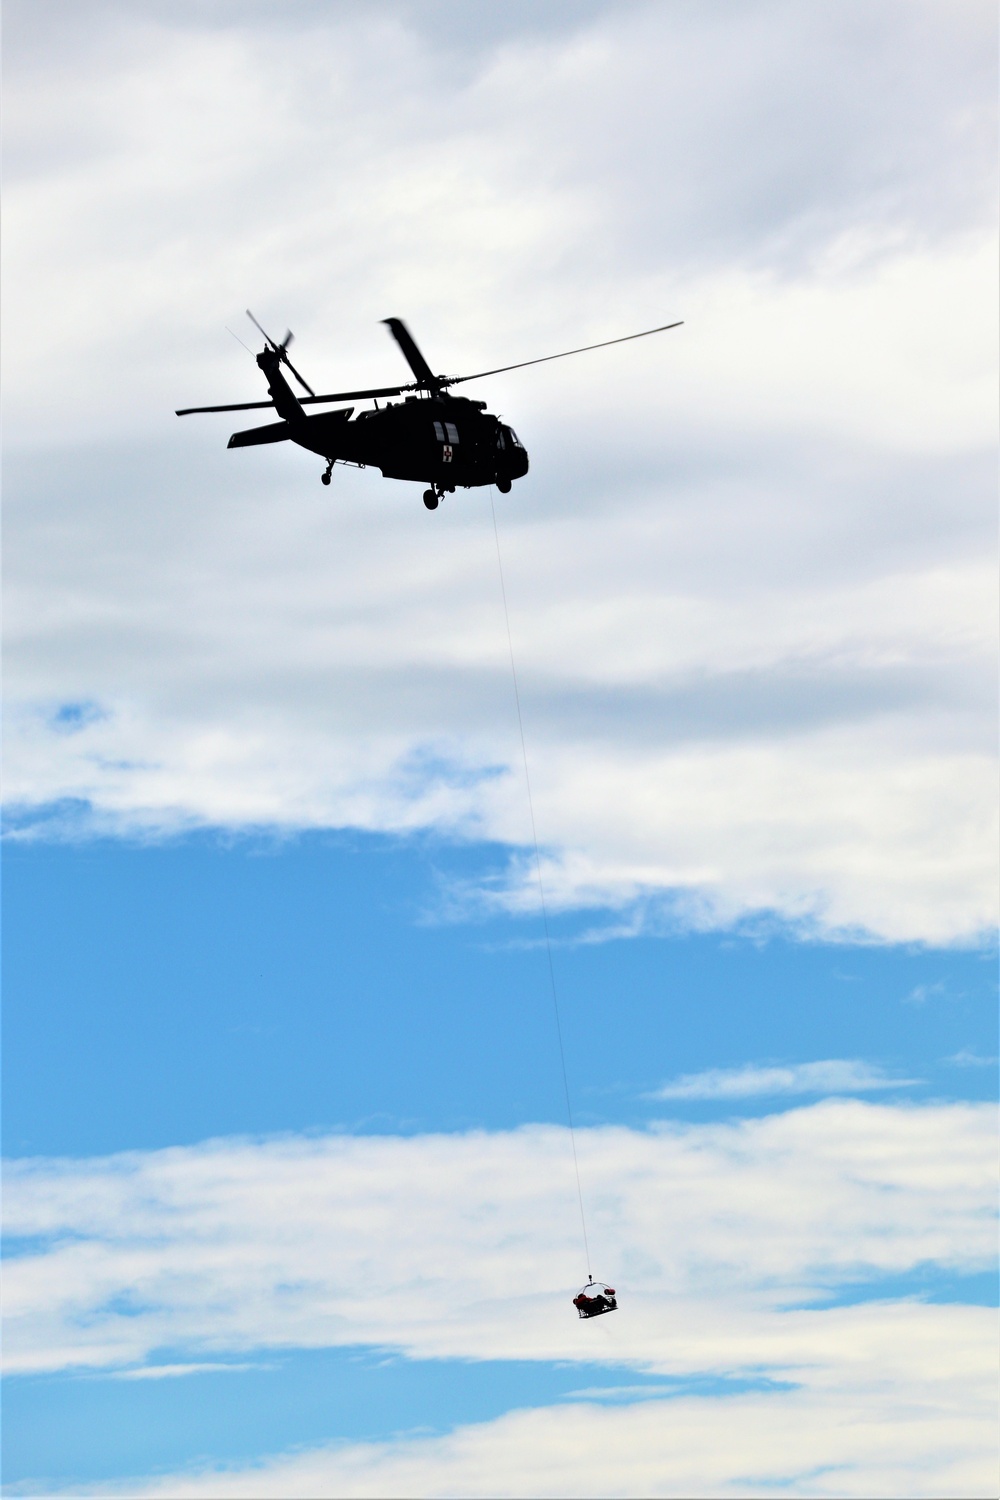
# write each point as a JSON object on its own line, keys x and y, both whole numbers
{"x": 439, "y": 432}
{"x": 452, "y": 432}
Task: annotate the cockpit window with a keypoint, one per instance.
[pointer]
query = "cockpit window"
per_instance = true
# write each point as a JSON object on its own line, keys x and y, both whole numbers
{"x": 514, "y": 438}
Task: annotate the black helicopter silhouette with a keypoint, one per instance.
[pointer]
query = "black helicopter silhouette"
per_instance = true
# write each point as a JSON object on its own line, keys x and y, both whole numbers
{"x": 433, "y": 437}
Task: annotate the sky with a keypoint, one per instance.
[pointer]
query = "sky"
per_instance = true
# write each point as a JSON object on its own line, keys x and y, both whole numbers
{"x": 290, "y": 1205}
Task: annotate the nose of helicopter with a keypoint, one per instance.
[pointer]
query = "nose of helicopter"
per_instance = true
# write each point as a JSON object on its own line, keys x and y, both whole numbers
{"x": 516, "y": 454}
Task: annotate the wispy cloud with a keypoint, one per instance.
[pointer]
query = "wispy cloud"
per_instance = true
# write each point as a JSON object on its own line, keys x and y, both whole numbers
{"x": 921, "y": 993}
{"x": 197, "y": 1367}
{"x": 832, "y": 1076}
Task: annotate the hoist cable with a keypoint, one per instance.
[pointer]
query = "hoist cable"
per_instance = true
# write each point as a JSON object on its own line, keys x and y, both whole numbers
{"x": 541, "y": 890}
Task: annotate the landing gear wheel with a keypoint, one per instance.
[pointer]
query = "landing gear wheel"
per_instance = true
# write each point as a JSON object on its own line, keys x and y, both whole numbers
{"x": 325, "y": 476}
{"x": 503, "y": 485}
{"x": 431, "y": 499}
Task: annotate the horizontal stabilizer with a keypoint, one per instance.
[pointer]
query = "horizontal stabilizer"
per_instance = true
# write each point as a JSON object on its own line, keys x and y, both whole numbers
{"x": 274, "y": 432}
{"x": 277, "y": 432}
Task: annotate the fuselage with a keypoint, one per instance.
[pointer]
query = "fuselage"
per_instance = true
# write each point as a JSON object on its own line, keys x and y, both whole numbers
{"x": 437, "y": 439}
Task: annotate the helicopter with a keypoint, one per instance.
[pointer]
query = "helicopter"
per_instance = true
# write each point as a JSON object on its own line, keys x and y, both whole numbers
{"x": 430, "y": 436}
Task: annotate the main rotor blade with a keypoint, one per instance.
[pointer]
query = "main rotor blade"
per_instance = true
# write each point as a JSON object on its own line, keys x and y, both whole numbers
{"x": 382, "y": 390}
{"x": 187, "y": 411}
{"x": 412, "y": 355}
{"x": 425, "y": 379}
{"x": 460, "y": 379}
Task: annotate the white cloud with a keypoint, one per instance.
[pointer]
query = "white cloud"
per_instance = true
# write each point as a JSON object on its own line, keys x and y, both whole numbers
{"x": 924, "y": 1436}
{"x": 719, "y": 1238}
{"x": 238, "y": 1245}
{"x": 750, "y": 574}
{"x": 832, "y": 1076}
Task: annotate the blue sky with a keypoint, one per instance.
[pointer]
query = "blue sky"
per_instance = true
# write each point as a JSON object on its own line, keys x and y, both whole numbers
{"x": 203, "y": 988}
{"x": 289, "y": 1204}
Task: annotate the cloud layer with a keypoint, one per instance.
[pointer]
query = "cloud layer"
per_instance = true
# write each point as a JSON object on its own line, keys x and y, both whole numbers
{"x": 929, "y": 1437}
{"x": 237, "y": 1245}
{"x": 751, "y": 573}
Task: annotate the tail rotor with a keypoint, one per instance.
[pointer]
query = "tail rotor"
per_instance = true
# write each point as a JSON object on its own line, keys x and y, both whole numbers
{"x": 281, "y": 350}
